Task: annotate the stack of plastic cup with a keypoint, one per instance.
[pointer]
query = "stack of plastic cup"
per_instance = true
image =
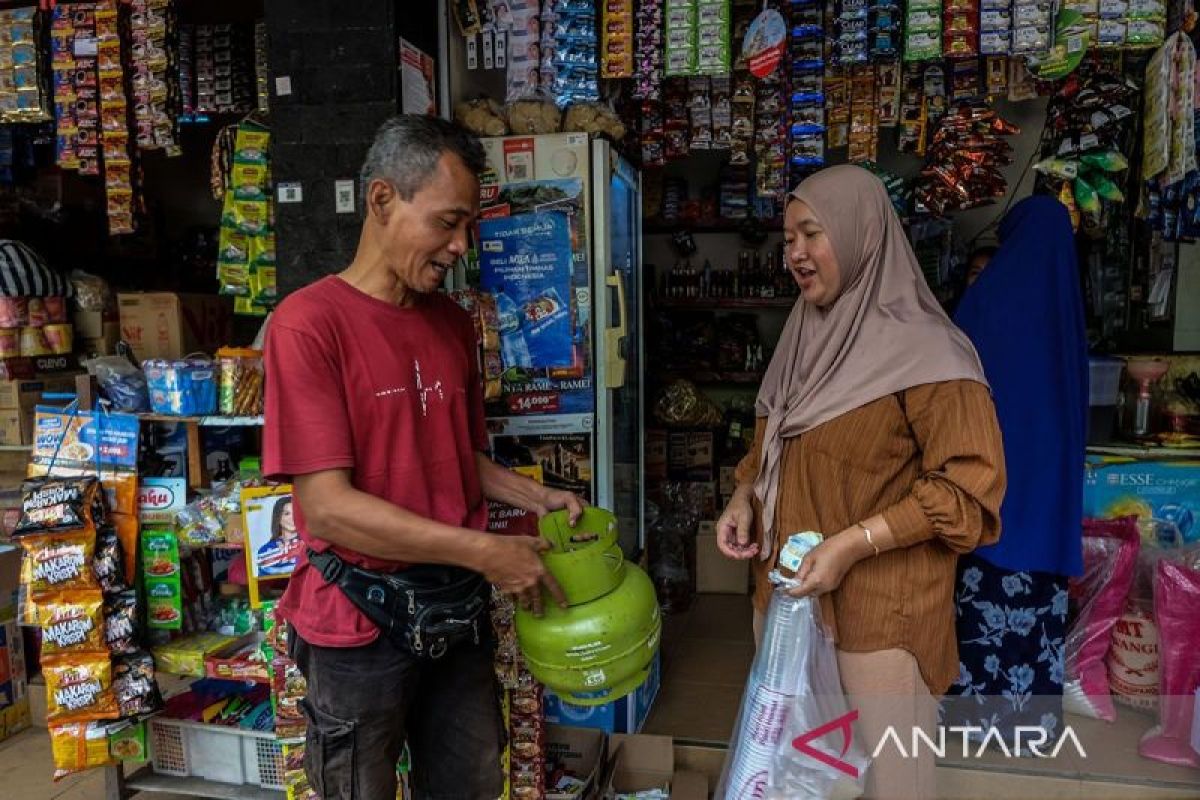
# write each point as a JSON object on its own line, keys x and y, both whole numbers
{"x": 769, "y": 693}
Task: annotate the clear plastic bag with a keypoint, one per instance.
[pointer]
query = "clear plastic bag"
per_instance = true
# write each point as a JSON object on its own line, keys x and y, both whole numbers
{"x": 1110, "y": 554}
{"x": 794, "y": 689}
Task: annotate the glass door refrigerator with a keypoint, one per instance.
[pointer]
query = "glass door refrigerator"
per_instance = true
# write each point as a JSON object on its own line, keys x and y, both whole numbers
{"x": 559, "y": 248}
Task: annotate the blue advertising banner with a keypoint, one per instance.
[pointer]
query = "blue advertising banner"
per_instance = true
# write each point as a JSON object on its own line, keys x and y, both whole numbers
{"x": 526, "y": 262}
{"x": 71, "y": 442}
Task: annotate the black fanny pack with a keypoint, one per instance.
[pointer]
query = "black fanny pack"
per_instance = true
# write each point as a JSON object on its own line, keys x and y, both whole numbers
{"x": 424, "y": 610}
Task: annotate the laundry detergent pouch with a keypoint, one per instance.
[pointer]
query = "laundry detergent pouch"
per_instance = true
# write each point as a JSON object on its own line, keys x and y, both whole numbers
{"x": 1110, "y": 554}
{"x": 1177, "y": 609}
{"x": 794, "y": 689}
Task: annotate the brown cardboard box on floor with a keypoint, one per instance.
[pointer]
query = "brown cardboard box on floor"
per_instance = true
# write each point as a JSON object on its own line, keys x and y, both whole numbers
{"x": 638, "y": 762}
{"x": 581, "y": 752}
{"x": 169, "y": 325}
{"x": 716, "y": 574}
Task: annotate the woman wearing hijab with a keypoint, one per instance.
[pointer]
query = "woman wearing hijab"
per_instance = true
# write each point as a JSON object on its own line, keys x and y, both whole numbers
{"x": 1025, "y": 316}
{"x": 875, "y": 428}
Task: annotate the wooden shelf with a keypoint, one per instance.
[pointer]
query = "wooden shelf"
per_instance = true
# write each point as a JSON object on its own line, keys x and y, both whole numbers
{"x": 149, "y": 781}
{"x": 727, "y": 304}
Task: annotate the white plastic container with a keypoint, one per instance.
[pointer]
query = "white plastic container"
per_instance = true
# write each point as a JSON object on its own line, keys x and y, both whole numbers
{"x": 216, "y": 753}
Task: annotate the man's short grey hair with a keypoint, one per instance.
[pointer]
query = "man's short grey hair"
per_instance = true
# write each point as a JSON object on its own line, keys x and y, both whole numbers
{"x": 407, "y": 149}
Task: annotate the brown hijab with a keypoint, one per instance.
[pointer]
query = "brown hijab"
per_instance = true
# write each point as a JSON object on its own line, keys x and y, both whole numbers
{"x": 884, "y": 333}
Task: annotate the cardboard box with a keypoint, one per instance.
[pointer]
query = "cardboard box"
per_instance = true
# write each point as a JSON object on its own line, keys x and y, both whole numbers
{"x": 95, "y": 324}
{"x": 582, "y": 753}
{"x": 100, "y": 338}
{"x": 716, "y": 574}
{"x": 31, "y": 367}
{"x": 10, "y": 581}
{"x": 1168, "y": 491}
{"x": 18, "y": 405}
{"x": 638, "y": 763}
{"x": 626, "y": 715}
{"x": 15, "y": 711}
{"x": 169, "y": 325}
{"x": 17, "y": 394}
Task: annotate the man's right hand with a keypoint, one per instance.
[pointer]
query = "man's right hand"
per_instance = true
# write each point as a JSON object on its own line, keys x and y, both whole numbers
{"x": 514, "y": 565}
{"x": 735, "y": 527}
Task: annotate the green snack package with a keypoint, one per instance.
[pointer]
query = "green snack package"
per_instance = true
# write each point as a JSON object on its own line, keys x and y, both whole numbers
{"x": 164, "y": 595}
{"x": 1086, "y": 197}
{"x": 1106, "y": 188}
{"x": 1109, "y": 161}
{"x": 129, "y": 743}
{"x": 1058, "y": 168}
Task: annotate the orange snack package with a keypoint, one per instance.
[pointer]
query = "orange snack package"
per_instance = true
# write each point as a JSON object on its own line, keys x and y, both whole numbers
{"x": 78, "y": 746}
{"x": 79, "y": 688}
{"x": 72, "y": 622}
{"x": 61, "y": 561}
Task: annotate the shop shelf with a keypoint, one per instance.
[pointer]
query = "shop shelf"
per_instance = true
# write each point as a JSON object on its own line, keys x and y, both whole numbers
{"x": 151, "y": 782}
{"x": 727, "y": 303}
{"x": 213, "y": 421}
{"x": 219, "y": 755}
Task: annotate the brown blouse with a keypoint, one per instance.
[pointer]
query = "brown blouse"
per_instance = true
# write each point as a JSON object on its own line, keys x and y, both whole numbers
{"x": 931, "y": 461}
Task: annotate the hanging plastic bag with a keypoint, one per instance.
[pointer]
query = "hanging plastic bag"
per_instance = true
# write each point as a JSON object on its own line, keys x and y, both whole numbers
{"x": 1177, "y": 609}
{"x": 794, "y": 688}
{"x": 1110, "y": 553}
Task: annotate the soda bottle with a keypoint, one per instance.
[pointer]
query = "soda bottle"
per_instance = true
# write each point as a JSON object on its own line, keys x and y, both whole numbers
{"x": 513, "y": 349}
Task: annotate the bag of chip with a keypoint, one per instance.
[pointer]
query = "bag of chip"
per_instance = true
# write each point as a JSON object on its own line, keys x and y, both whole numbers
{"x": 61, "y": 561}
{"x": 58, "y": 504}
{"x": 120, "y": 491}
{"x": 78, "y": 746}
{"x": 127, "y": 531}
{"x": 134, "y": 685}
{"x": 79, "y": 688}
{"x": 109, "y": 561}
{"x": 121, "y": 622}
{"x": 72, "y": 622}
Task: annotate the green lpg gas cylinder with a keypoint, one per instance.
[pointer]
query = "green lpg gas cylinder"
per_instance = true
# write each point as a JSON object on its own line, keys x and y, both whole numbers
{"x": 600, "y": 647}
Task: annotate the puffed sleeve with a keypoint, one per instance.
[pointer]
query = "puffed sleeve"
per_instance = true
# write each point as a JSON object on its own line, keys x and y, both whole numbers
{"x": 958, "y": 496}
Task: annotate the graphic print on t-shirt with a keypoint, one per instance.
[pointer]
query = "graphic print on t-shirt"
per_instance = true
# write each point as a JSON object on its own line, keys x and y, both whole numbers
{"x": 423, "y": 392}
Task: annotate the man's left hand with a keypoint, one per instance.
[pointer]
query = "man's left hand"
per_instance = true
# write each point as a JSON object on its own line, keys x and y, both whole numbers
{"x": 557, "y": 499}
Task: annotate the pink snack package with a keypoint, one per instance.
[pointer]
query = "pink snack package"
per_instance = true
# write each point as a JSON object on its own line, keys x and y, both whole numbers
{"x": 1110, "y": 553}
{"x": 1177, "y": 609}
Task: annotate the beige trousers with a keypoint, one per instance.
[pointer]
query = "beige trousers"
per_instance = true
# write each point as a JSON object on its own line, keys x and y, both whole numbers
{"x": 887, "y": 689}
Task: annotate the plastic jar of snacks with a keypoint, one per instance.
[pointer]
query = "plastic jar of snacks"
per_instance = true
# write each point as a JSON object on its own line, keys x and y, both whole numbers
{"x": 241, "y": 381}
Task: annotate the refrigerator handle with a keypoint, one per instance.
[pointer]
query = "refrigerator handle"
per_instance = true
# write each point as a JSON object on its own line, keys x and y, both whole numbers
{"x": 614, "y": 337}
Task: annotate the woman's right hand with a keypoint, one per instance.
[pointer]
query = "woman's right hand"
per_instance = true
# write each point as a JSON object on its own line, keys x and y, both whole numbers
{"x": 736, "y": 527}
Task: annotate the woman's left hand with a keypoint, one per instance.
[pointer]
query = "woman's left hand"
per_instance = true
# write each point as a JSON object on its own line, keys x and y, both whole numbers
{"x": 824, "y": 567}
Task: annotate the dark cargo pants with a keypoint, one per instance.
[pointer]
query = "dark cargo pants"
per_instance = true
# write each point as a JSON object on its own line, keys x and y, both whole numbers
{"x": 363, "y": 703}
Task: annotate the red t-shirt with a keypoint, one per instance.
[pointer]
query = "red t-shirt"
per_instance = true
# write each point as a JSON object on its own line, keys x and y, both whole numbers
{"x": 391, "y": 393}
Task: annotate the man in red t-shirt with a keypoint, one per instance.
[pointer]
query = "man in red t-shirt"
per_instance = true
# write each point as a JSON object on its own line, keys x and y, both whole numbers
{"x": 375, "y": 413}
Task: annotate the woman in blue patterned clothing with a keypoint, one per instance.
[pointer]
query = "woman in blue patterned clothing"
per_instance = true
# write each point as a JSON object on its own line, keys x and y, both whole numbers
{"x": 1024, "y": 314}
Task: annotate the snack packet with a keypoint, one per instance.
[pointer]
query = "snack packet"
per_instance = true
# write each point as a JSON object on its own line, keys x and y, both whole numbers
{"x": 61, "y": 561}
{"x": 72, "y": 622}
{"x": 79, "y": 746}
{"x": 58, "y": 504}
{"x": 109, "y": 561}
{"x": 79, "y": 689}
{"x": 134, "y": 685}
{"x": 121, "y": 622}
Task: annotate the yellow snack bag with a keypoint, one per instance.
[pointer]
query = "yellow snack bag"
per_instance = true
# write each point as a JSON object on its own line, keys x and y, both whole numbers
{"x": 78, "y": 746}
